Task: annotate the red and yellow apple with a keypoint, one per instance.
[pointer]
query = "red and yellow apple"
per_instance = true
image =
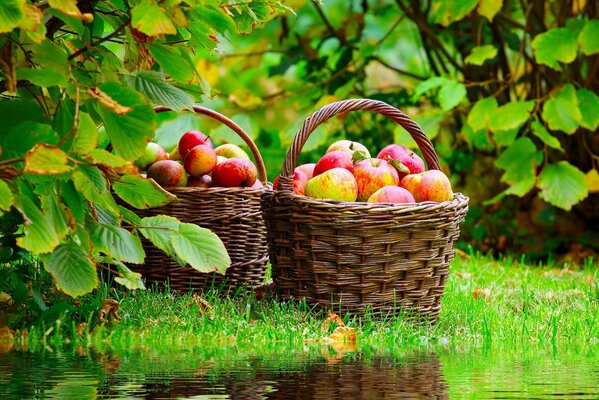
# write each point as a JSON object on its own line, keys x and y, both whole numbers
{"x": 406, "y": 156}
{"x": 234, "y": 172}
{"x": 347, "y": 145}
{"x": 152, "y": 153}
{"x": 432, "y": 185}
{"x": 230, "y": 150}
{"x": 334, "y": 159}
{"x": 190, "y": 139}
{"x": 372, "y": 174}
{"x": 334, "y": 184}
{"x": 200, "y": 160}
{"x": 204, "y": 181}
{"x": 391, "y": 194}
{"x": 300, "y": 179}
{"x": 307, "y": 169}
{"x": 168, "y": 173}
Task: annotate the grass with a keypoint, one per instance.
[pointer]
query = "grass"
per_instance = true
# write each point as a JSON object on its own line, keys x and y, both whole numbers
{"x": 486, "y": 302}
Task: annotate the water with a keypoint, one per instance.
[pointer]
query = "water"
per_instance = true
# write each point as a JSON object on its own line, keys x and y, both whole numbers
{"x": 305, "y": 373}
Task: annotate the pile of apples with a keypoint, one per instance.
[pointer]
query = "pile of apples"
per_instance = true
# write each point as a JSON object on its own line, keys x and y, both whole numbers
{"x": 348, "y": 173}
{"x": 195, "y": 162}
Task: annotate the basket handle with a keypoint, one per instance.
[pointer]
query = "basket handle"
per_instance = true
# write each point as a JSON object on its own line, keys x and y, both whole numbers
{"x": 330, "y": 110}
{"x": 235, "y": 128}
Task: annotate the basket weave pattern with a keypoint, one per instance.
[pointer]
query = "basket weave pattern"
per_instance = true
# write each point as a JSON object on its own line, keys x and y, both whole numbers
{"x": 354, "y": 256}
{"x": 231, "y": 213}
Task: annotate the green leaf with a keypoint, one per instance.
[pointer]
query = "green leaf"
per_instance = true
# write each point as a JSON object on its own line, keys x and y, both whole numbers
{"x": 46, "y": 160}
{"x": 505, "y": 138}
{"x": 22, "y": 137}
{"x": 477, "y": 138}
{"x": 152, "y": 85}
{"x": 170, "y": 131}
{"x": 86, "y": 137}
{"x": 542, "y": 133}
{"x": 151, "y": 19}
{"x": 173, "y": 61}
{"x": 72, "y": 269}
{"x": 11, "y": 13}
{"x": 480, "y": 54}
{"x": 561, "y": 110}
{"x": 142, "y": 193}
{"x": 159, "y": 230}
{"x": 90, "y": 182}
{"x": 449, "y": 11}
{"x": 202, "y": 35}
{"x": 557, "y": 44}
{"x": 42, "y": 77}
{"x": 48, "y": 55}
{"x": 427, "y": 85}
{"x": 55, "y": 214}
{"x": 200, "y": 248}
{"x": 520, "y": 162}
{"x": 480, "y": 113}
{"x": 588, "y": 103}
{"x": 511, "y": 115}
{"x": 104, "y": 157}
{"x": 451, "y": 94}
{"x": 129, "y": 216}
{"x": 589, "y": 37}
{"x": 118, "y": 243}
{"x": 39, "y": 234}
{"x": 430, "y": 122}
{"x": 216, "y": 17}
{"x": 131, "y": 280}
{"x": 562, "y": 185}
{"x": 128, "y": 133}
{"x": 489, "y": 8}
{"x": 6, "y": 197}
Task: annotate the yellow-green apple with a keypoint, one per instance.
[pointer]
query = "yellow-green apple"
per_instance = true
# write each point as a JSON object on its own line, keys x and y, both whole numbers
{"x": 234, "y": 172}
{"x": 168, "y": 173}
{"x": 190, "y": 139}
{"x": 307, "y": 169}
{"x": 152, "y": 153}
{"x": 229, "y": 150}
{"x": 300, "y": 179}
{"x": 204, "y": 181}
{"x": 334, "y": 184}
{"x": 334, "y": 159}
{"x": 347, "y": 145}
{"x": 391, "y": 194}
{"x": 220, "y": 159}
{"x": 432, "y": 185}
{"x": 174, "y": 154}
{"x": 406, "y": 156}
{"x": 372, "y": 174}
{"x": 200, "y": 160}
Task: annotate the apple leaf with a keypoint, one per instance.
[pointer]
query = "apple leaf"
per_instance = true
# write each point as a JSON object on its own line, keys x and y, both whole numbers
{"x": 480, "y": 54}
{"x": 11, "y": 13}
{"x": 451, "y": 94}
{"x": 46, "y": 160}
{"x": 542, "y": 133}
{"x": 588, "y": 103}
{"x": 520, "y": 162}
{"x": 131, "y": 280}
{"x": 39, "y": 234}
{"x": 158, "y": 230}
{"x": 151, "y": 19}
{"x": 557, "y": 44}
{"x": 200, "y": 248}
{"x": 141, "y": 193}
{"x": 152, "y": 85}
{"x": 561, "y": 110}
{"x": 562, "y": 185}
{"x": 359, "y": 155}
{"x": 72, "y": 269}
{"x": 480, "y": 113}
{"x": 511, "y": 115}
{"x": 489, "y": 8}
{"x": 6, "y": 196}
{"x": 118, "y": 243}
{"x": 589, "y": 37}
{"x": 399, "y": 166}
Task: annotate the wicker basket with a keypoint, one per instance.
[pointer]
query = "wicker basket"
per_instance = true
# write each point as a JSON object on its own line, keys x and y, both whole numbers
{"x": 351, "y": 257}
{"x": 232, "y": 213}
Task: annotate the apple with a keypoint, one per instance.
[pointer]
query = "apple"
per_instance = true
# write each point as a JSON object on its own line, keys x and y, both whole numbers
{"x": 257, "y": 185}
{"x": 220, "y": 159}
{"x": 168, "y": 173}
{"x": 234, "y": 172}
{"x": 300, "y": 179}
{"x": 406, "y": 156}
{"x": 432, "y": 185}
{"x": 391, "y": 194}
{"x": 372, "y": 174}
{"x": 334, "y": 159}
{"x": 152, "y": 153}
{"x": 335, "y": 184}
{"x": 204, "y": 181}
{"x": 229, "y": 150}
{"x": 190, "y": 139}
{"x": 347, "y": 145}
{"x": 307, "y": 169}
{"x": 200, "y": 160}
{"x": 174, "y": 154}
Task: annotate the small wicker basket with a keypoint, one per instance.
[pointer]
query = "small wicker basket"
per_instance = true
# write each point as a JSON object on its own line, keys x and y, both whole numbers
{"x": 233, "y": 213}
{"x": 351, "y": 257}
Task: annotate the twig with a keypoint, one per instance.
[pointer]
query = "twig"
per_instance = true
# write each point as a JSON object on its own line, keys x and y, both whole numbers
{"x": 12, "y": 161}
{"x": 388, "y": 33}
{"x": 398, "y": 70}
{"x": 98, "y": 42}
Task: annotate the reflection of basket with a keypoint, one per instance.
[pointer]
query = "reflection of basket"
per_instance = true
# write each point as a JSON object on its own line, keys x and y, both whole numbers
{"x": 354, "y": 256}
{"x": 232, "y": 213}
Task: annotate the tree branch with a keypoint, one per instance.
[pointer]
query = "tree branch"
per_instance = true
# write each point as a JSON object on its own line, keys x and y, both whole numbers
{"x": 98, "y": 42}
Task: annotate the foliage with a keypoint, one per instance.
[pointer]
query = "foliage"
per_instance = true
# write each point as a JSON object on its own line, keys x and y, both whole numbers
{"x": 79, "y": 79}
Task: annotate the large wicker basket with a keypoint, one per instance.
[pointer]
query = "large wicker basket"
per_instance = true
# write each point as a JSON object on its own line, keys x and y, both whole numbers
{"x": 351, "y": 257}
{"x": 233, "y": 213}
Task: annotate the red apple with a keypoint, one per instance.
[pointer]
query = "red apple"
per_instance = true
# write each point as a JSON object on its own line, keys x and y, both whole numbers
{"x": 335, "y": 184}
{"x": 152, "y": 153}
{"x": 204, "y": 181}
{"x": 300, "y": 179}
{"x": 432, "y": 185}
{"x": 229, "y": 150}
{"x": 168, "y": 173}
{"x": 391, "y": 194}
{"x": 200, "y": 160}
{"x": 372, "y": 174}
{"x": 348, "y": 145}
{"x": 257, "y": 185}
{"x": 406, "y": 156}
{"x": 234, "y": 172}
{"x": 334, "y": 159}
{"x": 190, "y": 139}
{"x": 307, "y": 169}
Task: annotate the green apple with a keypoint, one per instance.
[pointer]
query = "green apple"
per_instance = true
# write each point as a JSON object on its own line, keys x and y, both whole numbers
{"x": 152, "y": 153}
